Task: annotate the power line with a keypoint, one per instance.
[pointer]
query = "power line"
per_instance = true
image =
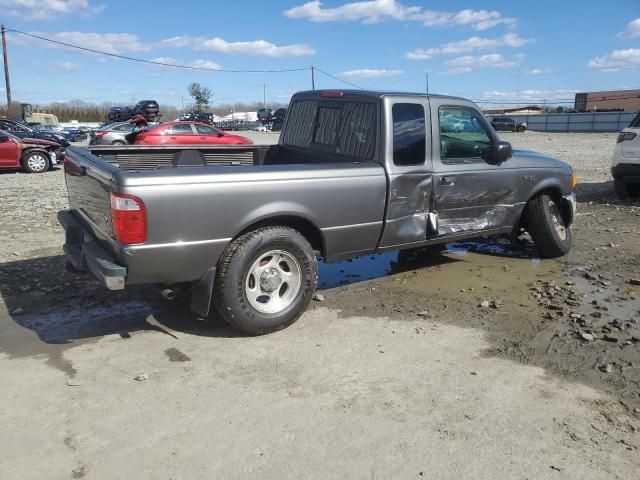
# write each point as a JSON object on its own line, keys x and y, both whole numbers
{"x": 152, "y": 62}
{"x": 340, "y": 80}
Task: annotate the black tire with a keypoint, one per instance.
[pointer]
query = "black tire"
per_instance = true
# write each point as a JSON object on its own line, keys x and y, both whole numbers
{"x": 544, "y": 219}
{"x": 118, "y": 143}
{"x": 234, "y": 279}
{"x": 36, "y": 161}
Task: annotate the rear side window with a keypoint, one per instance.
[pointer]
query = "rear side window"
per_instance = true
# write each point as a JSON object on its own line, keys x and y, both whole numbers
{"x": 409, "y": 134}
{"x": 344, "y": 128}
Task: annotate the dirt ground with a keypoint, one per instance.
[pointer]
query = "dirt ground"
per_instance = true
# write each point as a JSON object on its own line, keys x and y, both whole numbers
{"x": 400, "y": 372}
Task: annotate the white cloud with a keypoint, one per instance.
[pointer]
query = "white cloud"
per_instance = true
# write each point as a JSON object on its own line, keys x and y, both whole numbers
{"x": 116, "y": 43}
{"x": 538, "y": 71}
{"x": 205, "y": 64}
{"x": 632, "y": 30}
{"x": 616, "y": 60}
{"x": 260, "y": 48}
{"x": 167, "y": 60}
{"x": 198, "y": 64}
{"x": 468, "y": 45}
{"x": 376, "y": 11}
{"x": 47, "y": 9}
{"x": 370, "y": 73}
{"x": 64, "y": 66}
{"x": 492, "y": 60}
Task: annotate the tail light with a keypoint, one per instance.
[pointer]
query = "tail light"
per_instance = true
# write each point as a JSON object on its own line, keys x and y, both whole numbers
{"x": 100, "y": 134}
{"x": 331, "y": 94}
{"x": 625, "y": 136}
{"x": 128, "y": 218}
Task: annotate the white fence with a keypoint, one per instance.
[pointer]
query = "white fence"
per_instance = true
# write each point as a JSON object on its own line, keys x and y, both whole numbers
{"x": 575, "y": 122}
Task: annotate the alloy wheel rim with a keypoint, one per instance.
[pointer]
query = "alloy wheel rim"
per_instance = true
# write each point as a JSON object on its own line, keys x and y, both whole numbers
{"x": 273, "y": 281}
{"x": 558, "y": 221}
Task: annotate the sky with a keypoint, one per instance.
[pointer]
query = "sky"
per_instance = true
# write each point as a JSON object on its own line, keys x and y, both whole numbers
{"x": 490, "y": 51}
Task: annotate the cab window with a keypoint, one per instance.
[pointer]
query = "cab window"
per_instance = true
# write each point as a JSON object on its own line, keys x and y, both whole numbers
{"x": 464, "y": 135}
{"x": 409, "y": 134}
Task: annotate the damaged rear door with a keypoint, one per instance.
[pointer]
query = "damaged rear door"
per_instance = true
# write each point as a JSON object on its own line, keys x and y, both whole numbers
{"x": 409, "y": 170}
{"x": 470, "y": 191}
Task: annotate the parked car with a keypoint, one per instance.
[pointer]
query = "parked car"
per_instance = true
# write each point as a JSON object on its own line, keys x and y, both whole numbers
{"x": 264, "y": 115}
{"x": 33, "y": 155}
{"x": 508, "y": 124}
{"x": 278, "y": 119}
{"x": 69, "y": 134}
{"x": 113, "y": 134}
{"x": 353, "y": 173}
{"x": 22, "y": 130}
{"x": 626, "y": 161}
{"x": 187, "y": 133}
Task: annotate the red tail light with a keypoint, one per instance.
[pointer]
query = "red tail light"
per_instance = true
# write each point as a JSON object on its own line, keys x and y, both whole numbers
{"x": 128, "y": 218}
{"x": 625, "y": 136}
{"x": 100, "y": 134}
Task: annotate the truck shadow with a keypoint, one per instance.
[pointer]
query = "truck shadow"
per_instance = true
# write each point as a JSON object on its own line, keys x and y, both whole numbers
{"x": 49, "y": 310}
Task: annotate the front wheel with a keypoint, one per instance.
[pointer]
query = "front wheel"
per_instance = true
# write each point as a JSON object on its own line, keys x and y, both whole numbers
{"x": 547, "y": 227}
{"x": 265, "y": 280}
{"x": 36, "y": 162}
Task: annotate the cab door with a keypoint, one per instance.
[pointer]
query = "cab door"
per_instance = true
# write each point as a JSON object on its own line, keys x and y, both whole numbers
{"x": 472, "y": 193}
{"x": 409, "y": 170}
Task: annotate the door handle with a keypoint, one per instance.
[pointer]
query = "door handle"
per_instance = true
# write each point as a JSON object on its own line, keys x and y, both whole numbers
{"x": 448, "y": 180}
{"x": 203, "y": 138}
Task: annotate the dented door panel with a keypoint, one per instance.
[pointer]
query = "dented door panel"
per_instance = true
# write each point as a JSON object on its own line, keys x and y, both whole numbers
{"x": 409, "y": 186}
{"x": 470, "y": 194}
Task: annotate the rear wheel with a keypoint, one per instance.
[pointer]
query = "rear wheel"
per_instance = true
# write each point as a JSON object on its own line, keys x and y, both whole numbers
{"x": 36, "y": 162}
{"x": 547, "y": 227}
{"x": 118, "y": 143}
{"x": 265, "y": 280}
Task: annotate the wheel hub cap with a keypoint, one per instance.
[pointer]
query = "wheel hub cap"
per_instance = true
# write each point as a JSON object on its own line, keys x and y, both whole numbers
{"x": 270, "y": 280}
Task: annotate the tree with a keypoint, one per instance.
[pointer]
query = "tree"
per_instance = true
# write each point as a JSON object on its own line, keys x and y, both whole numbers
{"x": 201, "y": 96}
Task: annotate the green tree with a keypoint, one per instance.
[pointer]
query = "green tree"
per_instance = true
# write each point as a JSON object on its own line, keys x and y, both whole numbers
{"x": 201, "y": 96}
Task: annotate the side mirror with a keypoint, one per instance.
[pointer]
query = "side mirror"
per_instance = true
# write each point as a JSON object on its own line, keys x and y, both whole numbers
{"x": 220, "y": 134}
{"x": 501, "y": 151}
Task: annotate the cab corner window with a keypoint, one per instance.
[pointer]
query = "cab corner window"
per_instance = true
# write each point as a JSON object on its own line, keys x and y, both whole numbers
{"x": 463, "y": 135}
{"x": 409, "y": 134}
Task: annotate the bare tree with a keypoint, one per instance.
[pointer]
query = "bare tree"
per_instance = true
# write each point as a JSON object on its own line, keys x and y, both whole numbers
{"x": 201, "y": 96}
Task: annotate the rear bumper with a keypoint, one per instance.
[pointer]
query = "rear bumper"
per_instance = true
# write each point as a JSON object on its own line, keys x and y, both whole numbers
{"x": 85, "y": 253}
{"x": 626, "y": 171}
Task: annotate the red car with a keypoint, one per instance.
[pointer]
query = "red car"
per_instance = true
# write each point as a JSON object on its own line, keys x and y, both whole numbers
{"x": 31, "y": 154}
{"x": 187, "y": 133}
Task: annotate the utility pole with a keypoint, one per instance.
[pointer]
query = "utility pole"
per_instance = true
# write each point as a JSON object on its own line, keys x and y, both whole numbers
{"x": 313, "y": 78}
{"x": 426, "y": 77}
{"x": 264, "y": 95}
{"x": 6, "y": 65}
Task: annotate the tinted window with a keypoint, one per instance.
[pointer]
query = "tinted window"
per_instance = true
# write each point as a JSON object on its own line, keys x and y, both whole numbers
{"x": 327, "y": 126}
{"x": 409, "y": 134}
{"x": 204, "y": 130}
{"x": 463, "y": 134}
{"x": 356, "y": 137}
{"x": 299, "y": 129}
{"x": 182, "y": 128}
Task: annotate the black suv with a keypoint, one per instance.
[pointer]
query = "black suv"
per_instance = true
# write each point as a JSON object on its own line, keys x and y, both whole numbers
{"x": 22, "y": 130}
{"x": 508, "y": 123}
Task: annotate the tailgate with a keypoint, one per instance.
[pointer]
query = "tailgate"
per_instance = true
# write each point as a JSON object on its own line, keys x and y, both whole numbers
{"x": 88, "y": 180}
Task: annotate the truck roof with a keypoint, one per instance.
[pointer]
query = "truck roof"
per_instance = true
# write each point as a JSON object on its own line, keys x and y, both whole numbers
{"x": 372, "y": 94}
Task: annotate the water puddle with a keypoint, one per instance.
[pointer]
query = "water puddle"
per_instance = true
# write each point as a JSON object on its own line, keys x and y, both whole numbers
{"x": 369, "y": 267}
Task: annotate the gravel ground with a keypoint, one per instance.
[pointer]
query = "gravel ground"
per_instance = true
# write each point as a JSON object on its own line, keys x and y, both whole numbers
{"x": 398, "y": 373}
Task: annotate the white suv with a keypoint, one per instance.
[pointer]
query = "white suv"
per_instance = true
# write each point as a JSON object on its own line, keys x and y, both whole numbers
{"x": 626, "y": 160}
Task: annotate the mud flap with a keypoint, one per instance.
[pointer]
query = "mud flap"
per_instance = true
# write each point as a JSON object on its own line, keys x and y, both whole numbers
{"x": 202, "y": 292}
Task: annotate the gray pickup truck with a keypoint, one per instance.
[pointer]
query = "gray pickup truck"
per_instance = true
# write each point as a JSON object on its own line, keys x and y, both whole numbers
{"x": 354, "y": 172}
